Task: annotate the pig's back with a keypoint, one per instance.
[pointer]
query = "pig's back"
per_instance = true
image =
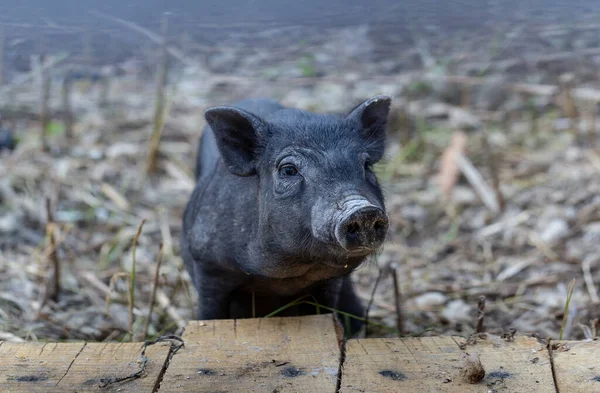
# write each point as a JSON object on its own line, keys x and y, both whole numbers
{"x": 208, "y": 153}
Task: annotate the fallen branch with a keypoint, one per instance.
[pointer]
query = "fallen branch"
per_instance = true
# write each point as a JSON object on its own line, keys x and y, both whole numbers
{"x": 481, "y": 188}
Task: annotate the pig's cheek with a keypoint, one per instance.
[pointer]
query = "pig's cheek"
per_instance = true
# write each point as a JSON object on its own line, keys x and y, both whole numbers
{"x": 322, "y": 220}
{"x": 288, "y": 187}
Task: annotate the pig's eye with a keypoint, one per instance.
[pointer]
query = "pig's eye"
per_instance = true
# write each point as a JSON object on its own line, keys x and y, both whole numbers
{"x": 288, "y": 170}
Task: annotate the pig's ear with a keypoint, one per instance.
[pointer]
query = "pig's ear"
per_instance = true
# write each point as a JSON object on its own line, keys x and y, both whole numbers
{"x": 372, "y": 115}
{"x": 236, "y": 133}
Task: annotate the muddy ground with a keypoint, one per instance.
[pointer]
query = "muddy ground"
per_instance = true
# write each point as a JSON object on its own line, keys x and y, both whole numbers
{"x": 447, "y": 250}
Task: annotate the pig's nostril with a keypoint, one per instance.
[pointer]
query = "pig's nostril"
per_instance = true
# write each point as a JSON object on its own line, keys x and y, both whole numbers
{"x": 378, "y": 226}
{"x": 363, "y": 229}
{"x": 353, "y": 228}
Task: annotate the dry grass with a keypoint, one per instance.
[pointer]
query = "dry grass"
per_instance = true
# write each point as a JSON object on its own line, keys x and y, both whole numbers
{"x": 443, "y": 259}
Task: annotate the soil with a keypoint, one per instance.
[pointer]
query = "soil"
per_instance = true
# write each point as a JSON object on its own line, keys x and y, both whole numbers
{"x": 447, "y": 250}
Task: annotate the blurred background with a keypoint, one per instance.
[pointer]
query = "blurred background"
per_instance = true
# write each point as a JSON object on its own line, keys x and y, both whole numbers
{"x": 492, "y": 173}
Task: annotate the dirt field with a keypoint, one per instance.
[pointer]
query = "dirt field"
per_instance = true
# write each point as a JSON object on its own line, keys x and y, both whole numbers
{"x": 446, "y": 249}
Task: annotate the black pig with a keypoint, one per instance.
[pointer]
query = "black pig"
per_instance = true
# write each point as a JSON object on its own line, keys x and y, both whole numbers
{"x": 286, "y": 205}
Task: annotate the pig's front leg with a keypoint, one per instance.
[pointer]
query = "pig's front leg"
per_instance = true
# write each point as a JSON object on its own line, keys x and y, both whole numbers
{"x": 350, "y": 303}
{"x": 339, "y": 294}
{"x": 327, "y": 293}
{"x": 215, "y": 290}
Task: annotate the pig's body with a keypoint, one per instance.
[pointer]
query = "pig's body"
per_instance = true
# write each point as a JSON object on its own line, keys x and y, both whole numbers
{"x": 236, "y": 248}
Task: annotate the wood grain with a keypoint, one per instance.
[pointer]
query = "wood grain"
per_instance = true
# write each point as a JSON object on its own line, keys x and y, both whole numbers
{"x": 433, "y": 364}
{"x": 577, "y": 366}
{"x": 256, "y": 355}
{"x": 78, "y": 367}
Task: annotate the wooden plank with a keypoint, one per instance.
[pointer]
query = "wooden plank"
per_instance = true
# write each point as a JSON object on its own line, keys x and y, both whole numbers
{"x": 577, "y": 366}
{"x": 78, "y": 367}
{"x": 522, "y": 365}
{"x": 433, "y": 364}
{"x": 256, "y": 355}
{"x": 99, "y": 362}
{"x": 35, "y": 367}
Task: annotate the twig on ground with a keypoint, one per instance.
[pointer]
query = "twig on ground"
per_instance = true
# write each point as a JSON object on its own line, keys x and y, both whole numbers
{"x": 131, "y": 297}
{"x": 11, "y": 338}
{"x": 54, "y": 277}
{"x": 106, "y": 290}
{"x": 111, "y": 286}
{"x": 498, "y": 227}
{"x": 491, "y": 159}
{"x": 398, "y": 298}
{"x": 449, "y": 169}
{"x": 371, "y": 301}
{"x": 165, "y": 303}
{"x": 93, "y": 281}
{"x": 165, "y": 231}
{"x": 479, "y": 325}
{"x": 154, "y": 289}
{"x": 589, "y": 280}
{"x": 544, "y": 247}
{"x": 478, "y": 183}
{"x": 568, "y": 103}
{"x": 115, "y": 196}
{"x": 587, "y": 331}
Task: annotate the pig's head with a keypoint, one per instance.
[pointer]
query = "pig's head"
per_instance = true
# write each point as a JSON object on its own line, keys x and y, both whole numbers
{"x": 319, "y": 199}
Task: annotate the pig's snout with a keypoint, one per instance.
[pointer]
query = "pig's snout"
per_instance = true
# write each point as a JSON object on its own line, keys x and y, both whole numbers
{"x": 362, "y": 228}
